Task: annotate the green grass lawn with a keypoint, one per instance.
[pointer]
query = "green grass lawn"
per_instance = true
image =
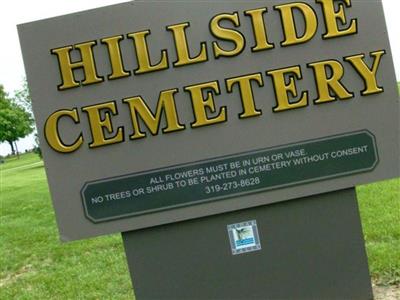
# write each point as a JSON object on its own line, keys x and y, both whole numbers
{"x": 14, "y": 162}
{"x": 35, "y": 265}
{"x": 380, "y": 214}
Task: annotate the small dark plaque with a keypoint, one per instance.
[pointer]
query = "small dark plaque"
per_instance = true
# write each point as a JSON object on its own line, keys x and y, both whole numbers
{"x": 229, "y": 176}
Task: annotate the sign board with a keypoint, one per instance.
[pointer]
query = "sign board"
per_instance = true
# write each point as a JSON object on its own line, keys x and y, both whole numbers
{"x": 156, "y": 112}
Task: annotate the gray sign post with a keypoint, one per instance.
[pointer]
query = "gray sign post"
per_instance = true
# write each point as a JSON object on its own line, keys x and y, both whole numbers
{"x": 311, "y": 248}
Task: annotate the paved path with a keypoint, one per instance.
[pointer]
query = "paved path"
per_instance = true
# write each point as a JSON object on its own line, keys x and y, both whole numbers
{"x": 22, "y": 167}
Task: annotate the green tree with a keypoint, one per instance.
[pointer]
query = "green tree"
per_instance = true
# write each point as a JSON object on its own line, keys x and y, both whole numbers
{"x": 23, "y": 98}
{"x": 15, "y": 121}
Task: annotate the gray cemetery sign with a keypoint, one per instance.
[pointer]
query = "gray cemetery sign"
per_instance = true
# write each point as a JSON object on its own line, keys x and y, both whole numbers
{"x": 155, "y": 112}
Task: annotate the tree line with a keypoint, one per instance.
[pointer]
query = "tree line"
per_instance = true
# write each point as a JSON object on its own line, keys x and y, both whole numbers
{"x": 16, "y": 117}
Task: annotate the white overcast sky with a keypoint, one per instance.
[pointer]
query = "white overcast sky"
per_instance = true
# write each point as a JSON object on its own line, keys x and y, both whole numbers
{"x": 21, "y": 11}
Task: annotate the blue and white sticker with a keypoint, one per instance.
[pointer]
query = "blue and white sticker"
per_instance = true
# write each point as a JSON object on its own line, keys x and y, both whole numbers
{"x": 244, "y": 237}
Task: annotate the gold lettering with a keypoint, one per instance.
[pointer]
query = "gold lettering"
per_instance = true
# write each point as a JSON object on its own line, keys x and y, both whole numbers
{"x": 52, "y": 134}
{"x": 260, "y": 33}
{"x": 166, "y": 104}
{"x": 98, "y": 123}
{"x": 288, "y": 22}
{"x": 182, "y": 48}
{"x": 201, "y": 104}
{"x": 227, "y": 34}
{"x": 86, "y": 63}
{"x": 367, "y": 74}
{"x": 332, "y": 16}
{"x": 114, "y": 52}
{"x": 282, "y": 89}
{"x": 326, "y": 83}
{"x": 246, "y": 93}
{"x": 143, "y": 56}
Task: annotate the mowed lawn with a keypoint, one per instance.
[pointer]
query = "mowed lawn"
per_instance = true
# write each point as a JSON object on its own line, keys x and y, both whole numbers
{"x": 35, "y": 265}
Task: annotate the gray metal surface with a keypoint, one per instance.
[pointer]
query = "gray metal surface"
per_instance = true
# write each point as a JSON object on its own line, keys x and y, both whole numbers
{"x": 311, "y": 248}
{"x": 67, "y": 173}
